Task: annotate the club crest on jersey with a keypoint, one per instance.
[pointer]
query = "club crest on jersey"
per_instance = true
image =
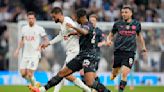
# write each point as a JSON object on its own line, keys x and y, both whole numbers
{"x": 86, "y": 63}
{"x": 127, "y": 27}
{"x": 133, "y": 27}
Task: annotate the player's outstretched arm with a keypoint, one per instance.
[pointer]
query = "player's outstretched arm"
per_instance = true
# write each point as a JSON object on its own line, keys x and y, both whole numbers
{"x": 79, "y": 30}
{"x": 141, "y": 42}
{"x": 20, "y": 45}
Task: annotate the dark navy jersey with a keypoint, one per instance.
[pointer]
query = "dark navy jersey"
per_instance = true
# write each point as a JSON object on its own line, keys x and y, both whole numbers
{"x": 126, "y": 35}
{"x": 99, "y": 37}
{"x": 86, "y": 41}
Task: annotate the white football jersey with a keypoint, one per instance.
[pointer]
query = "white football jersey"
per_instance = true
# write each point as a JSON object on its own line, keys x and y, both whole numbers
{"x": 32, "y": 37}
{"x": 72, "y": 43}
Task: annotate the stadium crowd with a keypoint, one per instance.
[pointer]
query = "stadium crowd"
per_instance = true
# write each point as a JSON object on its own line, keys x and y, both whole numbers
{"x": 106, "y": 10}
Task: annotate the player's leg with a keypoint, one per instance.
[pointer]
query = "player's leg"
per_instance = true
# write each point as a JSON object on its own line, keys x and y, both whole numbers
{"x": 31, "y": 67}
{"x": 71, "y": 78}
{"x": 116, "y": 65}
{"x": 127, "y": 63}
{"x": 90, "y": 75}
{"x": 83, "y": 79}
{"x": 115, "y": 72}
{"x": 78, "y": 82}
{"x": 23, "y": 73}
{"x": 71, "y": 67}
{"x": 131, "y": 78}
{"x": 23, "y": 68}
{"x": 58, "y": 86}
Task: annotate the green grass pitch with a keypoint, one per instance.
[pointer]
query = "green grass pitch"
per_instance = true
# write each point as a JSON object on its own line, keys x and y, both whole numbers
{"x": 76, "y": 89}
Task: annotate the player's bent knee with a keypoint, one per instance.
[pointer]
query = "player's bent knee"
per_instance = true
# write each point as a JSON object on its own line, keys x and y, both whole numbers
{"x": 125, "y": 74}
{"x": 24, "y": 75}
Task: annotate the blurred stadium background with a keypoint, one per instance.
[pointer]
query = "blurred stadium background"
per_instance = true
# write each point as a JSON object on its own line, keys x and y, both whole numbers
{"x": 147, "y": 74}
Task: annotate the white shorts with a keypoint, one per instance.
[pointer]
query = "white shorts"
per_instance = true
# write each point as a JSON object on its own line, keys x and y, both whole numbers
{"x": 29, "y": 63}
{"x": 70, "y": 56}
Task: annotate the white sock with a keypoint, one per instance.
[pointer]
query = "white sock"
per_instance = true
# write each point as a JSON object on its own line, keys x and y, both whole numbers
{"x": 42, "y": 89}
{"x": 79, "y": 83}
{"x": 58, "y": 86}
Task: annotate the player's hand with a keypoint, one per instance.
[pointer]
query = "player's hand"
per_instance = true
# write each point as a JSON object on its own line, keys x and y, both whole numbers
{"x": 69, "y": 25}
{"x": 16, "y": 53}
{"x": 43, "y": 45}
{"x": 66, "y": 37}
{"x": 109, "y": 43}
{"x": 103, "y": 43}
{"x": 144, "y": 52}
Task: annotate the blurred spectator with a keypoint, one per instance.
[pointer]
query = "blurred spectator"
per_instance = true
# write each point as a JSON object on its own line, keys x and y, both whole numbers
{"x": 57, "y": 3}
{"x": 4, "y": 48}
{"x": 4, "y": 14}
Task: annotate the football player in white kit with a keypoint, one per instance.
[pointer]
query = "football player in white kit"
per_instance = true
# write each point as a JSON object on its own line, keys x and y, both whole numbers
{"x": 71, "y": 44}
{"x": 31, "y": 35}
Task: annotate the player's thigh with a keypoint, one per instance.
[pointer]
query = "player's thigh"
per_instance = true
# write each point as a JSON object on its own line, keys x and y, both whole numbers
{"x": 33, "y": 63}
{"x": 115, "y": 71}
{"x": 75, "y": 64}
{"x": 90, "y": 64}
{"x": 89, "y": 78}
{"x": 127, "y": 61}
{"x": 23, "y": 64}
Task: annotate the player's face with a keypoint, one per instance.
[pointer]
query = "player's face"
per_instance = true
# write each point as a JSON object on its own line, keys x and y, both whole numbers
{"x": 56, "y": 17}
{"x": 126, "y": 14}
{"x": 31, "y": 19}
{"x": 81, "y": 20}
{"x": 93, "y": 21}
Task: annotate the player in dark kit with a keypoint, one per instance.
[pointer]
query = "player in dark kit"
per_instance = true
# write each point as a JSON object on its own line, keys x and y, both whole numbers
{"x": 127, "y": 30}
{"x": 98, "y": 39}
{"x": 86, "y": 59}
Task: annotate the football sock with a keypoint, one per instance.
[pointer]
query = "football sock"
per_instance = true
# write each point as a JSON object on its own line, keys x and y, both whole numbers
{"x": 100, "y": 87}
{"x": 122, "y": 85}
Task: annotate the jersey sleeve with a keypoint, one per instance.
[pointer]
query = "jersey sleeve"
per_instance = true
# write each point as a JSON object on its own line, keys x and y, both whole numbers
{"x": 114, "y": 29}
{"x": 22, "y": 32}
{"x": 57, "y": 39}
{"x": 138, "y": 30}
{"x": 89, "y": 28}
{"x": 42, "y": 32}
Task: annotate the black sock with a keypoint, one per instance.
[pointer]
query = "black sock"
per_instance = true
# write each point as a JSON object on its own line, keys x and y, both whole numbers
{"x": 53, "y": 81}
{"x": 100, "y": 87}
{"x": 122, "y": 85}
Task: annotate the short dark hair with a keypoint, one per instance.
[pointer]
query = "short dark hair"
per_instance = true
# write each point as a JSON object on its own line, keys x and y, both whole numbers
{"x": 127, "y": 7}
{"x": 81, "y": 12}
{"x": 94, "y": 16}
{"x": 31, "y": 13}
{"x": 57, "y": 10}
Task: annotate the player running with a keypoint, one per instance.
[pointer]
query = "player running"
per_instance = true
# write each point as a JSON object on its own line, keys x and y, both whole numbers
{"x": 71, "y": 44}
{"x": 31, "y": 35}
{"x": 127, "y": 30}
{"x": 98, "y": 40}
{"x": 86, "y": 59}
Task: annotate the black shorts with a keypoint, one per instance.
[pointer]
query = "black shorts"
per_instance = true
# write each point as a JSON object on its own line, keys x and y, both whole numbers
{"x": 88, "y": 62}
{"x": 123, "y": 58}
